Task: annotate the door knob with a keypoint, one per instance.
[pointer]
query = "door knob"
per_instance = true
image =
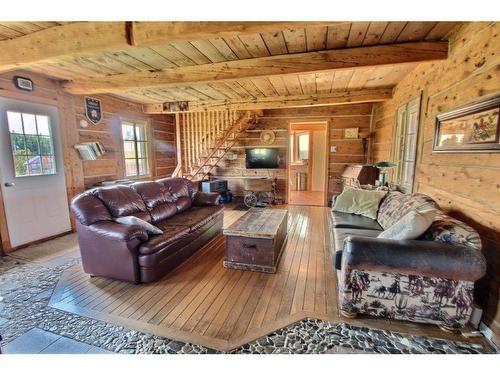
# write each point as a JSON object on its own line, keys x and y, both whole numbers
{"x": 9, "y": 184}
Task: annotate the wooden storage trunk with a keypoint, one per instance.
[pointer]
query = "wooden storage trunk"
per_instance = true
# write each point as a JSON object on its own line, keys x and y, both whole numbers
{"x": 256, "y": 240}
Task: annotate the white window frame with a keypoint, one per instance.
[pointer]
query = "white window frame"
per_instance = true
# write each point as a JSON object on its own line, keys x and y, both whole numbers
{"x": 406, "y": 134}
{"x": 146, "y": 126}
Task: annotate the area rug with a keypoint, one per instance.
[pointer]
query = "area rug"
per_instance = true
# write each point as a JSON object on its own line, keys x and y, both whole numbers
{"x": 25, "y": 289}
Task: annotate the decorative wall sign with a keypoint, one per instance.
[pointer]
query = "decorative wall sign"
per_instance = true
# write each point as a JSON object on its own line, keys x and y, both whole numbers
{"x": 475, "y": 127}
{"x": 23, "y": 83}
{"x": 267, "y": 137}
{"x": 93, "y": 110}
{"x": 176, "y": 107}
{"x": 351, "y": 133}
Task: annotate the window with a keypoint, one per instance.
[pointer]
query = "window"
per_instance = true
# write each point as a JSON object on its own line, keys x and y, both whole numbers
{"x": 135, "y": 148}
{"x": 303, "y": 146}
{"x": 405, "y": 146}
{"x": 299, "y": 146}
{"x": 32, "y": 145}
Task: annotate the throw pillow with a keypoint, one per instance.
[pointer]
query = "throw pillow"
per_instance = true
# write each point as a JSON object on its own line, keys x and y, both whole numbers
{"x": 132, "y": 220}
{"x": 410, "y": 226}
{"x": 359, "y": 202}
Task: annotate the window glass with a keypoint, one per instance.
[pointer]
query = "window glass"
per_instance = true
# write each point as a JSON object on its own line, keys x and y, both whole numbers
{"x": 128, "y": 132}
{"x": 141, "y": 150}
{"x": 303, "y": 147}
{"x": 29, "y": 122}
{"x": 42, "y": 123}
{"x": 135, "y": 148}
{"x": 140, "y": 133}
{"x": 130, "y": 167}
{"x": 129, "y": 149}
{"x": 15, "y": 122}
{"x": 31, "y": 143}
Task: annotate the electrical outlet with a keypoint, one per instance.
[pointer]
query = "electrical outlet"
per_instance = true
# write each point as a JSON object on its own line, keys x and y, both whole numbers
{"x": 333, "y": 148}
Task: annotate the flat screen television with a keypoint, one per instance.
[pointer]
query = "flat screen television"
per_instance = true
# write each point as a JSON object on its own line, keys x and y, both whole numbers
{"x": 262, "y": 158}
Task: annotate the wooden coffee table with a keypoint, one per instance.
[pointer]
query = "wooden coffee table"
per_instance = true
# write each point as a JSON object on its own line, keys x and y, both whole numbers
{"x": 255, "y": 241}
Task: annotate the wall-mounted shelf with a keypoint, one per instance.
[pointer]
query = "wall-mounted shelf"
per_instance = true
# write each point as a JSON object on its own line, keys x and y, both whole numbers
{"x": 90, "y": 150}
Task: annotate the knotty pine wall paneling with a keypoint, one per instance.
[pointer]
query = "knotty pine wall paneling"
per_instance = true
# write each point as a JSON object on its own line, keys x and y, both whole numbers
{"x": 467, "y": 185}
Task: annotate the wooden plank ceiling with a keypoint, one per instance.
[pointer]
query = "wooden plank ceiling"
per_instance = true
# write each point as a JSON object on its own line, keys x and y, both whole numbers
{"x": 224, "y": 49}
{"x": 11, "y": 30}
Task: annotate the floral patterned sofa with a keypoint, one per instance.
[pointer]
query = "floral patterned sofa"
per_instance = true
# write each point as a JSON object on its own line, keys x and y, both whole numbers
{"x": 429, "y": 280}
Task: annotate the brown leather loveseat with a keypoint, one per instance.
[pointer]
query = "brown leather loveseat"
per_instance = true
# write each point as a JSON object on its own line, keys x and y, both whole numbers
{"x": 187, "y": 217}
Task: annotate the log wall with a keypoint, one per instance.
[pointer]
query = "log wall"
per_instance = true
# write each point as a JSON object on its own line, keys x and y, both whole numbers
{"x": 81, "y": 174}
{"x": 465, "y": 184}
{"x": 337, "y": 117}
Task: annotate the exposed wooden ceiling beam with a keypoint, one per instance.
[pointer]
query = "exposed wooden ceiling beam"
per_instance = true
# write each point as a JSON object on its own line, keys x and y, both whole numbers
{"x": 294, "y": 101}
{"x": 265, "y": 66}
{"x": 71, "y": 39}
{"x": 80, "y": 38}
{"x": 148, "y": 33}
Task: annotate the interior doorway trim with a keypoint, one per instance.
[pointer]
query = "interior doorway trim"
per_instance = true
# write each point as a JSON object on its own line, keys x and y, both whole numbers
{"x": 318, "y": 125}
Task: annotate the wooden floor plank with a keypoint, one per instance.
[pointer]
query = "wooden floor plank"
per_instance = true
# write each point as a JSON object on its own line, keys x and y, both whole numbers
{"x": 274, "y": 285}
{"x": 183, "y": 287}
{"x": 315, "y": 243}
{"x": 155, "y": 296}
{"x": 202, "y": 298}
{"x": 302, "y": 273}
{"x": 207, "y": 318}
{"x": 200, "y": 288}
{"x": 226, "y": 306}
{"x": 202, "y": 302}
{"x": 320, "y": 280}
{"x": 243, "y": 321}
{"x": 212, "y": 287}
{"x": 227, "y": 281}
{"x": 282, "y": 299}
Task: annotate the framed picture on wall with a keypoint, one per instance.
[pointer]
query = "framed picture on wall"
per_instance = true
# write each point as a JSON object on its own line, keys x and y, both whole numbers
{"x": 472, "y": 128}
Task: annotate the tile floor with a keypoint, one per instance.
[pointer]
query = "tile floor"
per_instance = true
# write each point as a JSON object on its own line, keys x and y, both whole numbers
{"x": 38, "y": 341}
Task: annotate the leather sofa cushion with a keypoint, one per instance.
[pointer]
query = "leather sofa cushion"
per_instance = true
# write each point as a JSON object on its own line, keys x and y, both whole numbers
{"x": 88, "y": 209}
{"x": 161, "y": 241}
{"x": 178, "y": 187}
{"x": 123, "y": 201}
{"x": 194, "y": 218}
{"x": 153, "y": 259}
{"x": 345, "y": 220}
{"x": 340, "y": 234}
{"x": 183, "y": 203}
{"x": 158, "y": 200}
{"x": 181, "y": 190}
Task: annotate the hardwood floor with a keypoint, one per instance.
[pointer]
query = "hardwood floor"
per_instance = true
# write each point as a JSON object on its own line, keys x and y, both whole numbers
{"x": 306, "y": 198}
{"x": 204, "y": 303}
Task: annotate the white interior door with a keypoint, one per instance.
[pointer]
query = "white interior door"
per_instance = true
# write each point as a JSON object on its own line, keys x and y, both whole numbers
{"x": 32, "y": 171}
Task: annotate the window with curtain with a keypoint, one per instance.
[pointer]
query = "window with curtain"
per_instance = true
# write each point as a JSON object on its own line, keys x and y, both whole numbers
{"x": 135, "y": 148}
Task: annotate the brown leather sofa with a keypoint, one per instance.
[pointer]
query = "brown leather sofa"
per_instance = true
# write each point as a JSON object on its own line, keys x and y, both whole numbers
{"x": 187, "y": 217}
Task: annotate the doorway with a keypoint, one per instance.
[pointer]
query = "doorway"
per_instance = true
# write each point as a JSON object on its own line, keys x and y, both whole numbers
{"x": 32, "y": 176}
{"x": 307, "y": 171}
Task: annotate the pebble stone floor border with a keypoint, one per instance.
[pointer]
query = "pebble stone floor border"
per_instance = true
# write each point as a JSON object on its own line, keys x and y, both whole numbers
{"x": 26, "y": 287}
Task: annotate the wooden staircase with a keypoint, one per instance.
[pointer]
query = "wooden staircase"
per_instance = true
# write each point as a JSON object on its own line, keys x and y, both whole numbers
{"x": 206, "y": 137}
